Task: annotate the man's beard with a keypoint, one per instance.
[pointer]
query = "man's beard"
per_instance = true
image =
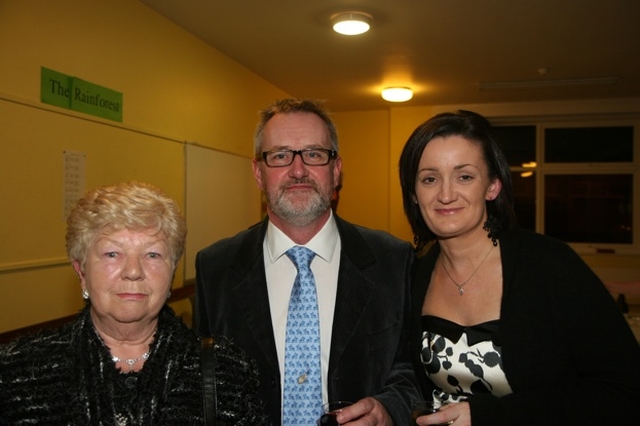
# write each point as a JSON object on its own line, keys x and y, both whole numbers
{"x": 299, "y": 212}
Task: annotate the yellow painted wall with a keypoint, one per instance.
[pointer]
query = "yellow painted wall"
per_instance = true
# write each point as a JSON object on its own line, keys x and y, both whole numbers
{"x": 364, "y": 148}
{"x": 404, "y": 120}
{"x": 176, "y": 89}
{"x": 173, "y": 83}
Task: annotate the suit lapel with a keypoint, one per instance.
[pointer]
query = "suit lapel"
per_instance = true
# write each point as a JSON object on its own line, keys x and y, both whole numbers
{"x": 354, "y": 289}
{"x": 251, "y": 292}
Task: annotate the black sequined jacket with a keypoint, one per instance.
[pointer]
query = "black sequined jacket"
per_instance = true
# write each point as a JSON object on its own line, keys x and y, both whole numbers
{"x": 67, "y": 377}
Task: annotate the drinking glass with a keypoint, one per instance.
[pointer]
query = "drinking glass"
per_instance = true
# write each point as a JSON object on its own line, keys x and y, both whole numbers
{"x": 331, "y": 410}
{"x": 422, "y": 408}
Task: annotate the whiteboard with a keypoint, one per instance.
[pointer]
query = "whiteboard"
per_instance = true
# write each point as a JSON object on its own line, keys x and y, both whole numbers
{"x": 221, "y": 198}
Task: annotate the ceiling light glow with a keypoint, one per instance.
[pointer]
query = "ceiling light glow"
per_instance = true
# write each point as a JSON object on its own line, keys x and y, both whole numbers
{"x": 351, "y": 23}
{"x": 397, "y": 94}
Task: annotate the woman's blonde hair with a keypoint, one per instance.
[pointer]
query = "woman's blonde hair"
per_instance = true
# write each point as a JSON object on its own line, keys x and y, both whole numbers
{"x": 134, "y": 206}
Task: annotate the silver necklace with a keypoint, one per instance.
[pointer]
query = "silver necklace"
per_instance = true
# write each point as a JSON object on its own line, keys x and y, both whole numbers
{"x": 463, "y": 283}
{"x": 130, "y": 361}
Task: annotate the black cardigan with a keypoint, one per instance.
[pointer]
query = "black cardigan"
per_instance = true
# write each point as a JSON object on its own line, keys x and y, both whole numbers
{"x": 66, "y": 377}
{"x": 569, "y": 355}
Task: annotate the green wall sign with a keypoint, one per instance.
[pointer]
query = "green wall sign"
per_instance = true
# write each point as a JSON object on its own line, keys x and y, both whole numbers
{"x": 79, "y": 95}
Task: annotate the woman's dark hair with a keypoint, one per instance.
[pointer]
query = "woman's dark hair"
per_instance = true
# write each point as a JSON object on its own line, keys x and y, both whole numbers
{"x": 475, "y": 128}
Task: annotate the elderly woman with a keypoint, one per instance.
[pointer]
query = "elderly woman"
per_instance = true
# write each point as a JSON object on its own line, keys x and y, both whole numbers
{"x": 126, "y": 359}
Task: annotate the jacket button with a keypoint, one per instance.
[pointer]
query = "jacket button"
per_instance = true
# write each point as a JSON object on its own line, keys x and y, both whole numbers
{"x": 130, "y": 382}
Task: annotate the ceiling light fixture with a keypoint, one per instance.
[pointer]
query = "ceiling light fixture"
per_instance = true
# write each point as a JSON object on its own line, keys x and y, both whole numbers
{"x": 397, "y": 94}
{"x": 351, "y": 23}
{"x": 524, "y": 84}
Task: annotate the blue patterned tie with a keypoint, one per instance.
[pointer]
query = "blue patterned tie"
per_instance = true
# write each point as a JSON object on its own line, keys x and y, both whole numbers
{"x": 302, "y": 379}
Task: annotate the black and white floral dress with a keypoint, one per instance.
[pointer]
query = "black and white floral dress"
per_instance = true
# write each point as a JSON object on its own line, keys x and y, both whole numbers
{"x": 462, "y": 361}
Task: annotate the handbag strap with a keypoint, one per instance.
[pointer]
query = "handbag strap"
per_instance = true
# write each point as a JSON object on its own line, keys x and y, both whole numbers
{"x": 208, "y": 366}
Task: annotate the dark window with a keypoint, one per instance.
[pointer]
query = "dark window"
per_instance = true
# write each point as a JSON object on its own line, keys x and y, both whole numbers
{"x": 588, "y": 145}
{"x": 524, "y": 197}
{"x": 579, "y": 185}
{"x": 518, "y": 143}
{"x": 519, "y": 146}
{"x": 589, "y": 208}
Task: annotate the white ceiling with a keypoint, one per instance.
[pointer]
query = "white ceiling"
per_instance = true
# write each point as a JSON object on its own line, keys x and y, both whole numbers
{"x": 443, "y": 49}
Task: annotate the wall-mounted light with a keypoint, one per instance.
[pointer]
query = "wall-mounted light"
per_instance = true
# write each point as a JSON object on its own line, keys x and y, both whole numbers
{"x": 351, "y": 23}
{"x": 397, "y": 94}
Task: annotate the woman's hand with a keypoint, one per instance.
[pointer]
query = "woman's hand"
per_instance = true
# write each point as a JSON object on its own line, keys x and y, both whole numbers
{"x": 457, "y": 414}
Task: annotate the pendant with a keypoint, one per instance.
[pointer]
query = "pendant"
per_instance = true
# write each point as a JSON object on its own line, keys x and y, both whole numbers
{"x": 460, "y": 290}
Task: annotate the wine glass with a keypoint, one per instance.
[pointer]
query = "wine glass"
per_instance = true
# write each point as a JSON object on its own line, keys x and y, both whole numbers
{"x": 330, "y": 412}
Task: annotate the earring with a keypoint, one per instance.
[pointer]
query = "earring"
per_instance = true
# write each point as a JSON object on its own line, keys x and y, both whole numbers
{"x": 493, "y": 228}
{"x": 169, "y": 294}
{"x": 85, "y": 294}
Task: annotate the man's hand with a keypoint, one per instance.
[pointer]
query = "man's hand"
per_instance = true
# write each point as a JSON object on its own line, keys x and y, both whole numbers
{"x": 366, "y": 412}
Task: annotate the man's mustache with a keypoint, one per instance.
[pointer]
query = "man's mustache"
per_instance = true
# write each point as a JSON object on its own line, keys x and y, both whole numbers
{"x": 302, "y": 181}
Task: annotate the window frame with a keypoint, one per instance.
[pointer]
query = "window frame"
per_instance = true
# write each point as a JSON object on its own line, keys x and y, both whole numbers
{"x": 543, "y": 169}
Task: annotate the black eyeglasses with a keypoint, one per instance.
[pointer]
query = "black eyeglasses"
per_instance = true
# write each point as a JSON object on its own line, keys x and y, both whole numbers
{"x": 310, "y": 157}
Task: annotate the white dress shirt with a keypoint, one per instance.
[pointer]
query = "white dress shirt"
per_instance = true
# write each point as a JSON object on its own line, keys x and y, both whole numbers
{"x": 281, "y": 273}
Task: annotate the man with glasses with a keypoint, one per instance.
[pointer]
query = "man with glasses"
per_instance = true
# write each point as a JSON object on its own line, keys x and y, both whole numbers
{"x": 244, "y": 284}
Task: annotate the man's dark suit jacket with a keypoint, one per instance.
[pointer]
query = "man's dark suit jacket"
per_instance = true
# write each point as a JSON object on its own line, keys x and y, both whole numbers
{"x": 369, "y": 349}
